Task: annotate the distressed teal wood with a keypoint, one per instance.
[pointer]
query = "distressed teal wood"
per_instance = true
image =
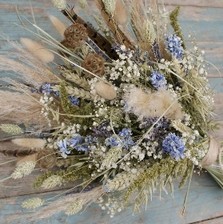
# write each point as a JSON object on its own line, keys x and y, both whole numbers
{"x": 200, "y": 18}
{"x": 205, "y": 201}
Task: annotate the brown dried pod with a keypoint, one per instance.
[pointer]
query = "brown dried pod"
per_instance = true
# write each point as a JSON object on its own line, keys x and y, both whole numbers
{"x": 46, "y": 159}
{"x": 76, "y": 31}
{"x": 95, "y": 64}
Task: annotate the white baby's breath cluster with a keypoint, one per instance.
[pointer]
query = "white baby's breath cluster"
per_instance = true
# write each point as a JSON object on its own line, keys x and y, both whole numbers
{"x": 46, "y": 102}
{"x": 111, "y": 205}
{"x": 124, "y": 68}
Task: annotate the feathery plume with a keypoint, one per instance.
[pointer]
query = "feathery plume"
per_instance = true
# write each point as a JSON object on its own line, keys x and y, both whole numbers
{"x": 120, "y": 13}
{"x": 24, "y": 167}
{"x": 12, "y": 129}
{"x": 30, "y": 142}
{"x": 33, "y": 203}
{"x": 20, "y": 107}
{"x": 60, "y": 4}
{"x": 147, "y": 104}
{"x": 52, "y": 182}
{"x": 38, "y": 50}
{"x": 58, "y": 24}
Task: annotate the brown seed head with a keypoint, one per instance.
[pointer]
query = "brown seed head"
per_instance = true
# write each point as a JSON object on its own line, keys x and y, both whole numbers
{"x": 94, "y": 63}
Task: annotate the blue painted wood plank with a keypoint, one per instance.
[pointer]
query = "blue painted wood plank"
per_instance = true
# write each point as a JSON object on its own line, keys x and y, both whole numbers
{"x": 205, "y": 201}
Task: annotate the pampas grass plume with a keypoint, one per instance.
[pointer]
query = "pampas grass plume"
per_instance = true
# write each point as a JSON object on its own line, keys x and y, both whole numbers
{"x": 59, "y": 25}
{"x": 120, "y": 15}
{"x": 148, "y": 104}
{"x": 37, "y": 50}
{"x": 30, "y": 142}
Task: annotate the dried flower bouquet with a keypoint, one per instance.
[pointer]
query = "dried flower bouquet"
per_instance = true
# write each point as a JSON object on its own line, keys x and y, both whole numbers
{"x": 127, "y": 109}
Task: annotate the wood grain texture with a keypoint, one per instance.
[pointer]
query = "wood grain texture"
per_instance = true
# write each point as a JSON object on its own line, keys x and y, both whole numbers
{"x": 204, "y": 21}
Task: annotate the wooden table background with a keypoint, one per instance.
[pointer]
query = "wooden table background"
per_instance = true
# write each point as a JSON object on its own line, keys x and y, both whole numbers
{"x": 203, "y": 19}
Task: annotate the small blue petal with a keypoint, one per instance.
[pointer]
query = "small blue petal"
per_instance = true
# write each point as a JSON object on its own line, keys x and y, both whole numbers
{"x": 74, "y": 100}
{"x": 158, "y": 80}
{"x": 174, "y": 45}
{"x": 174, "y": 146}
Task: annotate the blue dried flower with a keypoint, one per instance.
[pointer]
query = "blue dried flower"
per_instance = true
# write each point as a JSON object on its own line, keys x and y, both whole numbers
{"x": 112, "y": 141}
{"x": 125, "y": 132}
{"x": 77, "y": 139}
{"x": 127, "y": 142}
{"x": 174, "y": 45}
{"x": 174, "y": 146}
{"x": 46, "y": 88}
{"x": 74, "y": 100}
{"x": 78, "y": 142}
{"x": 63, "y": 147}
{"x": 158, "y": 80}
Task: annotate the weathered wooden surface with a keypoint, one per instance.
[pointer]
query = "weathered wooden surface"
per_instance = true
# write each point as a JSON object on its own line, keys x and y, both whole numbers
{"x": 202, "y": 19}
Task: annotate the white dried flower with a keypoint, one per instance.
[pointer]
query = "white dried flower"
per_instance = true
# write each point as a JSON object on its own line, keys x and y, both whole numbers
{"x": 32, "y": 203}
{"x": 60, "y": 4}
{"x": 52, "y": 181}
{"x": 111, "y": 158}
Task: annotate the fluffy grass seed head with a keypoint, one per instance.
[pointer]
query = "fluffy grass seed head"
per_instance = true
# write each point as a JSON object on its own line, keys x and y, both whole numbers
{"x": 106, "y": 91}
{"x": 60, "y": 4}
{"x": 52, "y": 182}
{"x": 110, "y": 6}
{"x": 32, "y": 203}
{"x": 24, "y": 167}
{"x": 74, "y": 207}
{"x": 37, "y": 50}
{"x": 31, "y": 143}
{"x": 148, "y": 104}
{"x": 11, "y": 129}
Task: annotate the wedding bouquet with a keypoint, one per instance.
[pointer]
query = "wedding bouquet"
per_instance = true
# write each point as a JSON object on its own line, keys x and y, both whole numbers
{"x": 118, "y": 107}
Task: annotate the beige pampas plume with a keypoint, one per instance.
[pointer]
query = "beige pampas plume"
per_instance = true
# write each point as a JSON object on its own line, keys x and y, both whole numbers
{"x": 31, "y": 143}
{"x": 59, "y": 25}
{"x": 27, "y": 66}
{"x": 19, "y": 107}
{"x": 147, "y": 104}
{"x": 38, "y": 50}
{"x": 120, "y": 14}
